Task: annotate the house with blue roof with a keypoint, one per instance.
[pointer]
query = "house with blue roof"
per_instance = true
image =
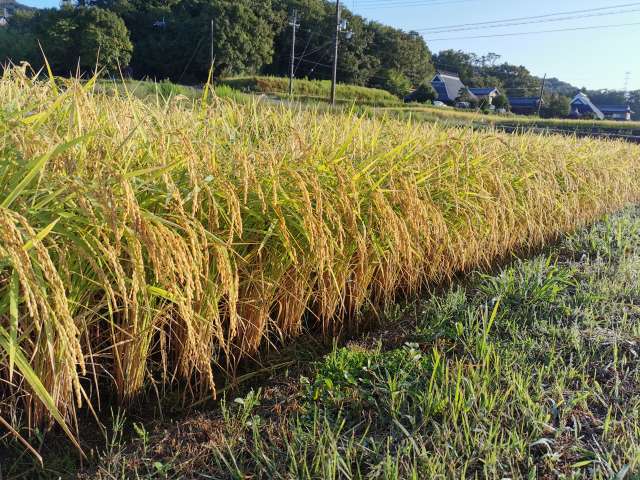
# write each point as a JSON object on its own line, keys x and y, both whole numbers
{"x": 617, "y": 112}
{"x": 582, "y": 106}
{"x": 525, "y": 105}
{"x": 485, "y": 93}
{"x": 448, "y": 86}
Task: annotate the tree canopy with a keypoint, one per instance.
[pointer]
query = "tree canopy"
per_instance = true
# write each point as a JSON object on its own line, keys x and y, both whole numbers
{"x": 369, "y": 51}
{"x": 174, "y": 39}
{"x": 72, "y": 39}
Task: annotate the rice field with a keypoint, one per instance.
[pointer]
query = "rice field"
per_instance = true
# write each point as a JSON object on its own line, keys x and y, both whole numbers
{"x": 527, "y": 372}
{"x": 160, "y": 242}
{"x": 440, "y": 114}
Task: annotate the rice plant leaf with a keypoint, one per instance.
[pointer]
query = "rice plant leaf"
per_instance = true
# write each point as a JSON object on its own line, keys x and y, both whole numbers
{"x": 36, "y": 385}
{"x": 157, "y": 171}
{"x": 12, "y": 341}
{"x": 622, "y": 474}
{"x": 379, "y": 158}
{"x": 205, "y": 95}
{"x": 41, "y": 235}
{"x": 88, "y": 86}
{"x": 50, "y": 198}
{"x": 52, "y": 78}
{"x": 582, "y": 463}
{"x": 35, "y": 167}
{"x": 161, "y": 292}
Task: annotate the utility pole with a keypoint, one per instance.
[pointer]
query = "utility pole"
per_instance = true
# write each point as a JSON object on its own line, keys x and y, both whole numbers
{"x": 544, "y": 81}
{"x": 336, "y": 42}
{"x": 212, "y": 52}
{"x": 294, "y": 24}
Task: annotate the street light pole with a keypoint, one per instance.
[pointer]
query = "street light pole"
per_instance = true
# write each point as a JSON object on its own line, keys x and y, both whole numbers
{"x": 212, "y": 47}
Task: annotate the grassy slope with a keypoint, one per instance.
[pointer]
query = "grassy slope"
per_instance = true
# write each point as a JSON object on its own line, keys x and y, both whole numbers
{"x": 311, "y": 89}
{"x": 155, "y": 92}
{"x": 532, "y": 372}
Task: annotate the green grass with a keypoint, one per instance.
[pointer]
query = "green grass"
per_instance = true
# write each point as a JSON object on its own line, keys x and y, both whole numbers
{"x": 311, "y": 90}
{"x": 429, "y": 113}
{"x": 165, "y": 90}
{"x": 530, "y": 372}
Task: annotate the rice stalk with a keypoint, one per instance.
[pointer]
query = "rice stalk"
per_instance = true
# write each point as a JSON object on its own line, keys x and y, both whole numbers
{"x": 169, "y": 240}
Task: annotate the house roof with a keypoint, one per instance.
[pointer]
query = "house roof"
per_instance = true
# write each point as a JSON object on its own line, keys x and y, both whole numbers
{"x": 447, "y": 86}
{"x": 525, "y": 101}
{"x": 484, "y": 92}
{"x": 614, "y": 109}
{"x": 582, "y": 102}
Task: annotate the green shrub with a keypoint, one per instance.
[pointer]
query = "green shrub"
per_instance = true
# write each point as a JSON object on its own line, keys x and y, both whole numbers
{"x": 395, "y": 82}
{"x": 423, "y": 94}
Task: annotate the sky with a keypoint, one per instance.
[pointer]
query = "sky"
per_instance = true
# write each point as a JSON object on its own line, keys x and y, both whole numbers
{"x": 594, "y": 58}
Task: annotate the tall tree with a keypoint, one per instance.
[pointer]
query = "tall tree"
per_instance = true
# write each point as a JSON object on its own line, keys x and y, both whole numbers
{"x": 73, "y": 39}
{"x": 315, "y": 43}
{"x": 556, "y": 106}
{"x": 172, "y": 37}
{"x": 17, "y": 41}
{"x": 403, "y": 52}
{"x": 456, "y": 61}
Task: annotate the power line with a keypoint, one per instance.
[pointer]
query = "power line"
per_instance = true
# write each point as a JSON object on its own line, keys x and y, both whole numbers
{"x": 315, "y": 64}
{"x": 517, "y": 19}
{"x": 561, "y": 16}
{"x": 538, "y": 21}
{"x": 517, "y": 34}
{"x": 304, "y": 52}
{"x": 390, "y": 4}
{"x": 319, "y": 49}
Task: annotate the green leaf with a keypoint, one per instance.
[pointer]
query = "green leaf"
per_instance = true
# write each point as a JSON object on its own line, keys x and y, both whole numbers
{"x": 582, "y": 463}
{"x": 160, "y": 292}
{"x": 52, "y": 78}
{"x": 14, "y": 300}
{"x": 622, "y": 474}
{"x": 36, "y": 385}
{"x": 40, "y": 235}
{"x": 35, "y": 166}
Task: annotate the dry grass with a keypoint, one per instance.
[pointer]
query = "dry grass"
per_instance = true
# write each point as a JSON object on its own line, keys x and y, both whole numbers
{"x": 169, "y": 239}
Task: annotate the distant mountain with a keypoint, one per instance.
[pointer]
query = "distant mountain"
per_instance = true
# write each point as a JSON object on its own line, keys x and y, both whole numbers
{"x": 12, "y": 6}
